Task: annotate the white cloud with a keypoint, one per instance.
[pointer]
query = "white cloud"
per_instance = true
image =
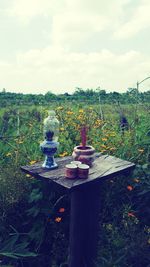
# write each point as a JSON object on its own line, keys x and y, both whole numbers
{"x": 79, "y": 20}
{"x": 62, "y": 63}
{"x": 29, "y": 9}
{"x": 75, "y": 29}
{"x": 40, "y": 7}
{"x": 60, "y": 71}
{"x": 139, "y": 21}
{"x": 70, "y": 15}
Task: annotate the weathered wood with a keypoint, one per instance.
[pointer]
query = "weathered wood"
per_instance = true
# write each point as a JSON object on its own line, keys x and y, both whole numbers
{"x": 85, "y": 206}
{"x": 104, "y": 167}
{"x": 85, "y": 202}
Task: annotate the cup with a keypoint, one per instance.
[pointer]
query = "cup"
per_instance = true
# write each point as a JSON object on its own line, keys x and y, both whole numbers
{"x": 76, "y": 162}
{"x": 71, "y": 171}
{"x": 83, "y": 171}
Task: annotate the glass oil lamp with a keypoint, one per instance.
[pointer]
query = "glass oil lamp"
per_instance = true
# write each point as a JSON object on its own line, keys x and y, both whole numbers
{"x": 50, "y": 145}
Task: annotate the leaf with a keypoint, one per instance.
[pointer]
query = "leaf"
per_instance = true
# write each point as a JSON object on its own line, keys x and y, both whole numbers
{"x": 25, "y": 254}
{"x": 34, "y": 211}
{"x": 8, "y": 254}
{"x": 18, "y": 255}
{"x": 35, "y": 196}
{"x": 9, "y": 244}
{"x": 21, "y": 246}
{"x": 104, "y": 260}
{"x": 13, "y": 250}
{"x": 118, "y": 260}
{"x": 145, "y": 166}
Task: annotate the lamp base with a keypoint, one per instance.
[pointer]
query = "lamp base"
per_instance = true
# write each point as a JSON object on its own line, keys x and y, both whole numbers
{"x": 49, "y": 148}
{"x": 49, "y": 163}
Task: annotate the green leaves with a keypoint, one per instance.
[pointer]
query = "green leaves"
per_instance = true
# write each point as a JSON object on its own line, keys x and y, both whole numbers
{"x": 35, "y": 195}
{"x": 13, "y": 249}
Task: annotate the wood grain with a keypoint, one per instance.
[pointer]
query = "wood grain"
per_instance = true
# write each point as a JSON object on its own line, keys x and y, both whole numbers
{"x": 104, "y": 166}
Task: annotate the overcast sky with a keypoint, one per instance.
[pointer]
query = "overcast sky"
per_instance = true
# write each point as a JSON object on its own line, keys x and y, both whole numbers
{"x": 57, "y": 45}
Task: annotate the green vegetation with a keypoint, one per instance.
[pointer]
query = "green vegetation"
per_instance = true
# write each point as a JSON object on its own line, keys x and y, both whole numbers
{"x": 34, "y": 216}
{"x": 88, "y": 95}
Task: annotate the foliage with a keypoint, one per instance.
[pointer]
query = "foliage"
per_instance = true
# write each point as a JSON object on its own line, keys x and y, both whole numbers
{"x": 80, "y": 94}
{"x": 40, "y": 212}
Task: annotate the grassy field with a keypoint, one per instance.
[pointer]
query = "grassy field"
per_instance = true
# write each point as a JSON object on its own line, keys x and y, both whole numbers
{"x": 33, "y": 225}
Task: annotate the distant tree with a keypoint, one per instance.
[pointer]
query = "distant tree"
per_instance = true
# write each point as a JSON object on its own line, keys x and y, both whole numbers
{"x": 79, "y": 92}
{"x": 84, "y": 92}
{"x": 114, "y": 96}
{"x": 67, "y": 94}
{"x": 50, "y": 96}
{"x": 131, "y": 90}
{"x": 102, "y": 94}
{"x": 133, "y": 95}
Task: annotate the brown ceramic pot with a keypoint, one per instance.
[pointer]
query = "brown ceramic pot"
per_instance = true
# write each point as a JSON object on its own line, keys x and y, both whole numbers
{"x": 84, "y": 154}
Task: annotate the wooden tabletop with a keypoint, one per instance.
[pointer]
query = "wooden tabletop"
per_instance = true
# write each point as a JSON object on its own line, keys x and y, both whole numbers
{"x": 104, "y": 166}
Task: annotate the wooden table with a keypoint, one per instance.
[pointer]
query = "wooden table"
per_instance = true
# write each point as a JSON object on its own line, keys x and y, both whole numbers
{"x": 85, "y": 202}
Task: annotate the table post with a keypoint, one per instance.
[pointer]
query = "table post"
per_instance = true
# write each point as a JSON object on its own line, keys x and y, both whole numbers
{"x": 85, "y": 204}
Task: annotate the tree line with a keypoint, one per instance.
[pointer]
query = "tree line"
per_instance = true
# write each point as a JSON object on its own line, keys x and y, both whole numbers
{"x": 132, "y": 95}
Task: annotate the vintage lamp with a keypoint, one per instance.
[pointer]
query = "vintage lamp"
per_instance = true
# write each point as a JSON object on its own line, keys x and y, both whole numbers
{"x": 49, "y": 145}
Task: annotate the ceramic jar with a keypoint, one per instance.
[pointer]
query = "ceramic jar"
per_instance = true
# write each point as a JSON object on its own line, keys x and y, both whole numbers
{"x": 84, "y": 154}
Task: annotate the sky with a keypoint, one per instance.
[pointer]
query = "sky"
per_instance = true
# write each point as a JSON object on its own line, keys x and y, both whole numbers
{"x": 49, "y": 45}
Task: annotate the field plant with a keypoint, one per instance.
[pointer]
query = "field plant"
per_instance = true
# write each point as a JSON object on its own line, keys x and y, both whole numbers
{"x": 34, "y": 216}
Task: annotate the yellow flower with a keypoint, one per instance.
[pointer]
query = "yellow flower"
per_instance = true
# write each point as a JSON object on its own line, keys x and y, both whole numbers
{"x": 141, "y": 150}
{"x": 112, "y": 148}
{"x": 136, "y": 180}
{"x": 104, "y": 139}
{"x": 58, "y": 219}
{"x": 62, "y": 129}
{"x": 80, "y": 117}
{"x": 20, "y": 142}
{"x": 103, "y": 150}
{"x": 60, "y": 108}
{"x": 8, "y": 154}
{"x": 28, "y": 175}
{"x": 32, "y": 162}
{"x": 81, "y": 110}
{"x": 103, "y": 146}
{"x": 98, "y": 122}
{"x": 112, "y": 134}
{"x": 69, "y": 112}
{"x": 63, "y": 154}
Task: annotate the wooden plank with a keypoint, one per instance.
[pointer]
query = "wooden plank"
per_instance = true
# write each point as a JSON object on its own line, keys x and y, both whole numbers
{"x": 37, "y": 168}
{"x": 84, "y": 209}
{"x": 104, "y": 167}
{"x": 84, "y": 225}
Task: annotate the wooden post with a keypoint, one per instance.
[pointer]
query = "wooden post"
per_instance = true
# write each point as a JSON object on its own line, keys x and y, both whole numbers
{"x": 84, "y": 226}
{"x": 85, "y": 202}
